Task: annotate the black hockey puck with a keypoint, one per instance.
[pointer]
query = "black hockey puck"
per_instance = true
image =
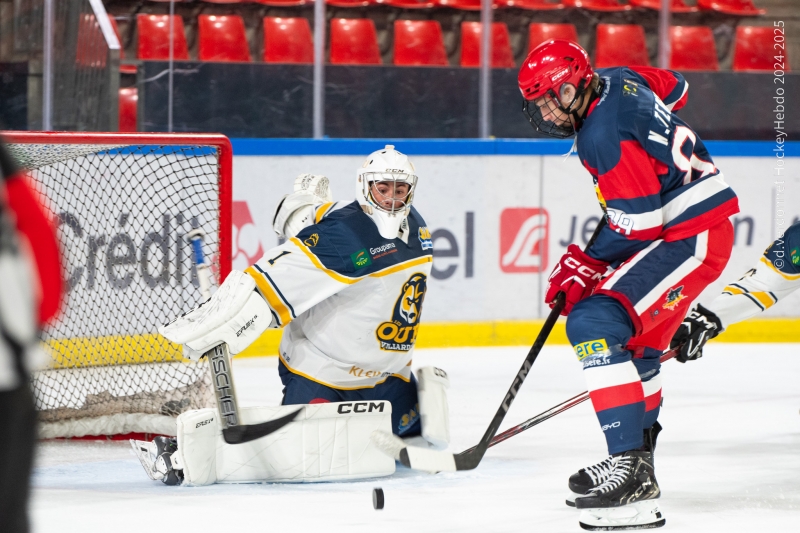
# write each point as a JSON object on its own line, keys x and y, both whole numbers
{"x": 377, "y": 498}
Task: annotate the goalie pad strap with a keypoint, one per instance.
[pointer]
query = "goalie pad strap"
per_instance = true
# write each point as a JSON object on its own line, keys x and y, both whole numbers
{"x": 326, "y": 442}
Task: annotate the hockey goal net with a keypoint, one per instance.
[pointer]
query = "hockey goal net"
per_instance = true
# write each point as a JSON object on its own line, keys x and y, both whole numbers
{"x": 123, "y": 204}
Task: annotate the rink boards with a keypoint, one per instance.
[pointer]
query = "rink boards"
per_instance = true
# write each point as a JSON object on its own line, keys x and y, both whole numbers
{"x": 501, "y": 213}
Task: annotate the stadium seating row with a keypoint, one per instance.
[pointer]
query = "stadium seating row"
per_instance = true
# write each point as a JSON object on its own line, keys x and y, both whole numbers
{"x": 420, "y": 42}
{"x": 729, "y": 7}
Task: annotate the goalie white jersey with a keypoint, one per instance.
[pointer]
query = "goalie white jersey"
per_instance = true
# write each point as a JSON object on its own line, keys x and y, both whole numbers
{"x": 349, "y": 299}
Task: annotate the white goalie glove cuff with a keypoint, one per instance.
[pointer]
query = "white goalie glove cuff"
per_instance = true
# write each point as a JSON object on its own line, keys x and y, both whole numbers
{"x": 295, "y": 211}
{"x": 236, "y": 314}
{"x": 432, "y": 385}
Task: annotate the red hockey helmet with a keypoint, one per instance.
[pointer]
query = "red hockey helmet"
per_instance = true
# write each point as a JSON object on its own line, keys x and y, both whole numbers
{"x": 544, "y": 74}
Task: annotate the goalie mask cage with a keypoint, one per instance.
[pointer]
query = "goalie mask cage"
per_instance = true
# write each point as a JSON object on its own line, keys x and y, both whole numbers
{"x": 123, "y": 204}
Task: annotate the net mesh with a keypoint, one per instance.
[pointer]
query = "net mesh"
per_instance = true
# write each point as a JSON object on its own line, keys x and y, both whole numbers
{"x": 123, "y": 212}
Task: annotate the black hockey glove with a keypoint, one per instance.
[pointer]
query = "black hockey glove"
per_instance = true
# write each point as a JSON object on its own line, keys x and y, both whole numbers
{"x": 696, "y": 329}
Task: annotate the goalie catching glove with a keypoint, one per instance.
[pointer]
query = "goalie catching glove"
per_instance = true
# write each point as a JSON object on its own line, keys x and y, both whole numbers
{"x": 695, "y": 331}
{"x": 296, "y": 210}
{"x": 236, "y": 314}
{"x": 576, "y": 274}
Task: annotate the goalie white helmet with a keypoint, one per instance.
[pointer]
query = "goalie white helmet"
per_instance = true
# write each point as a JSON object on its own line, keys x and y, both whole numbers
{"x": 385, "y": 189}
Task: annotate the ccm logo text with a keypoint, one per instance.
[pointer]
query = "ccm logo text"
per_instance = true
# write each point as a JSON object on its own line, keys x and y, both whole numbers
{"x": 360, "y": 407}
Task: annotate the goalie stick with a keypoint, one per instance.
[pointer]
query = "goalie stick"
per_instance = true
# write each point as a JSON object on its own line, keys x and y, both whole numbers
{"x": 553, "y": 411}
{"x": 219, "y": 363}
{"x": 440, "y": 461}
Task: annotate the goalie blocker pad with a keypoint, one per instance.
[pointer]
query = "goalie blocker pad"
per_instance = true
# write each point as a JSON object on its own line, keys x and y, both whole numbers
{"x": 236, "y": 314}
{"x": 326, "y": 442}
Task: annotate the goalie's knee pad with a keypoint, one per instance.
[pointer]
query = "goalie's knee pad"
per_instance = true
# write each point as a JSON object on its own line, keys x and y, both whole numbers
{"x": 432, "y": 385}
{"x": 236, "y": 314}
{"x": 326, "y": 442}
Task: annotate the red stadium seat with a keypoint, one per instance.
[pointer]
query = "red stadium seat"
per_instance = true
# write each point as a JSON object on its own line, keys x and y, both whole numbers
{"x": 349, "y": 3}
{"x": 224, "y": 1}
{"x": 419, "y": 42}
{"x": 693, "y": 48}
{"x": 597, "y": 5}
{"x": 678, "y": 6}
{"x": 620, "y": 45}
{"x": 287, "y": 40}
{"x": 464, "y": 5}
{"x": 128, "y": 99}
{"x": 754, "y": 49}
{"x": 222, "y": 38}
{"x": 90, "y": 50}
{"x": 532, "y": 5}
{"x": 354, "y": 42}
{"x": 539, "y": 32}
{"x": 744, "y": 8}
{"x": 502, "y": 57}
{"x": 153, "y": 33}
{"x": 282, "y": 3}
{"x": 407, "y": 4}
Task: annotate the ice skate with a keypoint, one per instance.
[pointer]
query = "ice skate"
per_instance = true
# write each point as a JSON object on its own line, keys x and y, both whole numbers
{"x": 156, "y": 458}
{"x": 626, "y": 500}
{"x": 588, "y": 478}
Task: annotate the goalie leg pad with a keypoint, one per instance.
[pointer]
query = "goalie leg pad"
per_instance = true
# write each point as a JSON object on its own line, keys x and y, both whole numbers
{"x": 236, "y": 314}
{"x": 326, "y": 442}
{"x": 432, "y": 385}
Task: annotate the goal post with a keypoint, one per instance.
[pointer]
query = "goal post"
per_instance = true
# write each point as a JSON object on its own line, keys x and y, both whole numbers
{"x": 123, "y": 204}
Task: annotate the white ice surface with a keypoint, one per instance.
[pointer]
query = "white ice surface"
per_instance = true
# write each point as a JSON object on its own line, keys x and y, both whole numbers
{"x": 728, "y": 458}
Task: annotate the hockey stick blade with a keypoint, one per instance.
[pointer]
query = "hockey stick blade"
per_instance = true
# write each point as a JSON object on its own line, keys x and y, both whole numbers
{"x": 246, "y": 433}
{"x": 550, "y": 413}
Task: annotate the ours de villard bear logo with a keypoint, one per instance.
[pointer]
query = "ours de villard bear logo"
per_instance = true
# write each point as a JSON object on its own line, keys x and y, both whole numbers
{"x": 399, "y": 334}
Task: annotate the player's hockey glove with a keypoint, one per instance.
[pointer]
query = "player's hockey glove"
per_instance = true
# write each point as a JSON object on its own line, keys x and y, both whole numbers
{"x": 576, "y": 274}
{"x": 699, "y": 327}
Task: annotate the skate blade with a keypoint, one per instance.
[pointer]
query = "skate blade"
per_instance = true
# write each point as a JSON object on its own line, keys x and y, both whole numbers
{"x": 146, "y": 452}
{"x": 570, "y": 501}
{"x": 640, "y": 515}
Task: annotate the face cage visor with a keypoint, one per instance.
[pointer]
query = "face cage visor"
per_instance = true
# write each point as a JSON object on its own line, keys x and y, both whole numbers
{"x": 552, "y": 106}
{"x": 381, "y": 188}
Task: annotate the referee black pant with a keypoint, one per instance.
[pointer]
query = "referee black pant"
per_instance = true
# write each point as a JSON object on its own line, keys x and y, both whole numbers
{"x": 17, "y": 440}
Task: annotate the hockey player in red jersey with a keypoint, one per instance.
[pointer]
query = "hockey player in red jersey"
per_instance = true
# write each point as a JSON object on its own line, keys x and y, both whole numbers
{"x": 668, "y": 236}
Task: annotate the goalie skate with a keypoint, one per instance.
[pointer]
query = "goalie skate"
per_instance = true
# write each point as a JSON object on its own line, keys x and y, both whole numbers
{"x": 147, "y": 453}
{"x": 157, "y": 459}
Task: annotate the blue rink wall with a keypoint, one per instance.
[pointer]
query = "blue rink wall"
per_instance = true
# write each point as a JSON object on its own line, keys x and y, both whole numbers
{"x": 501, "y": 213}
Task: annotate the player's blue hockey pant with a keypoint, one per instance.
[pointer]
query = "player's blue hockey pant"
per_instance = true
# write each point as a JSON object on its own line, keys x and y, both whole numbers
{"x": 402, "y": 395}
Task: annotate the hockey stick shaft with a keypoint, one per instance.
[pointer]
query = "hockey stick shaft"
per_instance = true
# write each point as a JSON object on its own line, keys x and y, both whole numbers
{"x": 555, "y": 410}
{"x": 471, "y": 459}
{"x": 195, "y": 238}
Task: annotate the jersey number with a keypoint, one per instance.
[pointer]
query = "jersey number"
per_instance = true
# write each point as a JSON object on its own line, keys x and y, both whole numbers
{"x": 689, "y": 165}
